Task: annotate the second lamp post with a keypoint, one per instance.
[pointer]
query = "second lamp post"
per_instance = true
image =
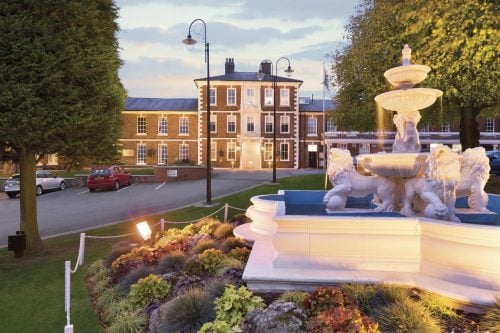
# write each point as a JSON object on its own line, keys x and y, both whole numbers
{"x": 274, "y": 78}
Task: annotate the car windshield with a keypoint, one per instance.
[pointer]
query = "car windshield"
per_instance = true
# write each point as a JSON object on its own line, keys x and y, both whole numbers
{"x": 100, "y": 172}
{"x": 15, "y": 177}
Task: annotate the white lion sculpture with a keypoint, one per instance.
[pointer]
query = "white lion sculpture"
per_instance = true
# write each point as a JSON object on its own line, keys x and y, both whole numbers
{"x": 474, "y": 174}
{"x": 348, "y": 182}
{"x": 437, "y": 189}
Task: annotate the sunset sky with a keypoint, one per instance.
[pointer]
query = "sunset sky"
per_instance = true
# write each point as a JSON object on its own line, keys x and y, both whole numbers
{"x": 157, "y": 64}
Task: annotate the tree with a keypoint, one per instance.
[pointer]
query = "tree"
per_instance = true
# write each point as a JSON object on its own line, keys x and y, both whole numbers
{"x": 456, "y": 39}
{"x": 60, "y": 88}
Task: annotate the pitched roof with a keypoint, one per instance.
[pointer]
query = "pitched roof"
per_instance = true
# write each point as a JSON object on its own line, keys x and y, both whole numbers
{"x": 317, "y": 106}
{"x": 161, "y": 104}
{"x": 246, "y": 76}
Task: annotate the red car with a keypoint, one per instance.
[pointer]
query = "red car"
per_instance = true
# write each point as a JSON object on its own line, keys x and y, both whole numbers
{"x": 112, "y": 177}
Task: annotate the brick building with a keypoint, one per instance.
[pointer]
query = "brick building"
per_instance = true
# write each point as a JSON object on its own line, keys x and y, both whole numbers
{"x": 173, "y": 130}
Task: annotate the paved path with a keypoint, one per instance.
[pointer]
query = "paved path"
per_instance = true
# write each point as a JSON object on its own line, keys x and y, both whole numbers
{"x": 77, "y": 209}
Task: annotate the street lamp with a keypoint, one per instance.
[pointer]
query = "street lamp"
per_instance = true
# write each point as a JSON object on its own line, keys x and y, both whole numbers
{"x": 190, "y": 41}
{"x": 260, "y": 76}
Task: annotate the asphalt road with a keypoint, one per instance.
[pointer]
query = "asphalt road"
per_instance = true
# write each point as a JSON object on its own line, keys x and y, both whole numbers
{"x": 76, "y": 209}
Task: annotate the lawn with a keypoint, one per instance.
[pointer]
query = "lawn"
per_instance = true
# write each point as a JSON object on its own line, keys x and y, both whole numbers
{"x": 32, "y": 287}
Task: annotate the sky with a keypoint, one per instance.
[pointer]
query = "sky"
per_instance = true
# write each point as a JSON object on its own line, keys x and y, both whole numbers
{"x": 158, "y": 64}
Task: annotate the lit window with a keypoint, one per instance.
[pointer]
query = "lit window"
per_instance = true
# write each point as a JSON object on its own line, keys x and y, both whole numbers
{"x": 284, "y": 96}
{"x": 342, "y": 146}
{"x": 231, "y": 151}
{"x": 445, "y": 127}
{"x": 183, "y": 152}
{"x": 489, "y": 125}
{"x": 141, "y": 153}
{"x": 285, "y": 124}
{"x": 183, "y": 125}
{"x": 213, "y": 96}
{"x": 268, "y": 124}
{"x": 268, "y": 151}
{"x": 141, "y": 125}
{"x": 231, "y": 96}
{"x": 284, "y": 156}
{"x": 162, "y": 125}
{"x": 213, "y": 151}
{"x": 311, "y": 126}
{"x": 231, "y": 124}
{"x": 250, "y": 124}
{"x": 330, "y": 126}
{"x": 268, "y": 96}
{"x": 250, "y": 96}
{"x": 162, "y": 154}
{"x": 213, "y": 124}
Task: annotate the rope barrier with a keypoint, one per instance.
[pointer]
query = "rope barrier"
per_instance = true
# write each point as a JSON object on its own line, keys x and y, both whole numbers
{"x": 243, "y": 210}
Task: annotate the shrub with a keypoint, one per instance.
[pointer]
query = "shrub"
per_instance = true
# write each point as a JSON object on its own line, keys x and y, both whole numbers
{"x": 132, "y": 277}
{"x": 172, "y": 262}
{"x": 186, "y": 313}
{"x": 436, "y": 305}
{"x": 203, "y": 245}
{"x": 231, "y": 243}
{"x": 364, "y": 295}
{"x": 491, "y": 318}
{"x": 95, "y": 267}
{"x": 207, "y": 225}
{"x": 239, "y": 219}
{"x": 322, "y": 299}
{"x": 128, "y": 322}
{"x": 115, "y": 309}
{"x": 127, "y": 262}
{"x": 240, "y": 253}
{"x": 342, "y": 319}
{"x": 212, "y": 260}
{"x": 107, "y": 298}
{"x": 216, "y": 326}
{"x": 390, "y": 293}
{"x": 193, "y": 266}
{"x": 147, "y": 289}
{"x": 185, "y": 282}
{"x": 117, "y": 251}
{"x": 295, "y": 296}
{"x": 224, "y": 230}
{"x": 101, "y": 285}
{"x": 404, "y": 316}
{"x": 234, "y": 304}
{"x": 216, "y": 287}
{"x": 229, "y": 263}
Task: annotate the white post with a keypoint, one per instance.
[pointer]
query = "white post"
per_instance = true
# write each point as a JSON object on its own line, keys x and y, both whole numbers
{"x": 226, "y": 208}
{"x": 67, "y": 296}
{"x": 81, "y": 251}
{"x": 162, "y": 225}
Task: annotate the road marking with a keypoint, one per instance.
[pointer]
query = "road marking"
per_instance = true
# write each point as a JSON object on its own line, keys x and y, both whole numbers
{"x": 83, "y": 192}
{"x": 157, "y": 187}
{"x": 124, "y": 188}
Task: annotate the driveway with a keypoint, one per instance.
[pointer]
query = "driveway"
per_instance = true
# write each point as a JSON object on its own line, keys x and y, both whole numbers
{"x": 76, "y": 209}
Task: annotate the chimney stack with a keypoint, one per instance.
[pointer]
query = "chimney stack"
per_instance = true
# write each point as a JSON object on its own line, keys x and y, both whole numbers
{"x": 229, "y": 65}
{"x": 265, "y": 67}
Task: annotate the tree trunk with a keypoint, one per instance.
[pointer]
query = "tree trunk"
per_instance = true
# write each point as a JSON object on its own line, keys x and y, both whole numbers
{"x": 29, "y": 222}
{"x": 469, "y": 131}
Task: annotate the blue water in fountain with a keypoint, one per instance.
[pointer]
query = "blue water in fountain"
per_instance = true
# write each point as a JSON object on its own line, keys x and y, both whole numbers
{"x": 311, "y": 203}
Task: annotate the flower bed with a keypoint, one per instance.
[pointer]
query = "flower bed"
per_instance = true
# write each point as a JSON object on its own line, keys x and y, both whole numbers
{"x": 190, "y": 280}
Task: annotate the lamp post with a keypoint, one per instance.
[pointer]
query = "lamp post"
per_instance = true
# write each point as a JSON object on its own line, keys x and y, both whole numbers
{"x": 260, "y": 77}
{"x": 190, "y": 41}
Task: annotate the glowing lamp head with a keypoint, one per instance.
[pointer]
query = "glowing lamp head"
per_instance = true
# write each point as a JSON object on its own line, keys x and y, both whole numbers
{"x": 144, "y": 230}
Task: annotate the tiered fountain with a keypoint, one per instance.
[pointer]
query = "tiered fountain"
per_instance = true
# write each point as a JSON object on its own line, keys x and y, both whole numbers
{"x": 298, "y": 245}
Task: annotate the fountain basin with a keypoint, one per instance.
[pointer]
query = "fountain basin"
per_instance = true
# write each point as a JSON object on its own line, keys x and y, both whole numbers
{"x": 395, "y": 165}
{"x": 398, "y": 76}
{"x": 460, "y": 261}
{"x": 409, "y": 99}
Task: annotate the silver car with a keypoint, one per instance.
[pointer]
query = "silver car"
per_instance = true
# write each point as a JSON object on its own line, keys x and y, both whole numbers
{"x": 44, "y": 181}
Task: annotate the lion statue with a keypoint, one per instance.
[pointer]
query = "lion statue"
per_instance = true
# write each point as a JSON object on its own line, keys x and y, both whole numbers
{"x": 474, "y": 174}
{"x": 347, "y": 181}
{"x": 435, "y": 194}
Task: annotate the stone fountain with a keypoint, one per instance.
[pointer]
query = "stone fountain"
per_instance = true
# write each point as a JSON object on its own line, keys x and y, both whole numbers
{"x": 297, "y": 244}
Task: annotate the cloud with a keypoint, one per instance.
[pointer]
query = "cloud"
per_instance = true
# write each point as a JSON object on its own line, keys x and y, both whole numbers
{"x": 317, "y": 52}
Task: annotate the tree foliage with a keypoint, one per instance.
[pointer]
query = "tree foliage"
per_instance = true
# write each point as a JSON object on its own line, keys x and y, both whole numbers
{"x": 457, "y": 39}
{"x": 60, "y": 87}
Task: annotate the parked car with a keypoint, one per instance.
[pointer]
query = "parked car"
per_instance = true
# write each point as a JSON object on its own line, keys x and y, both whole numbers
{"x": 112, "y": 177}
{"x": 494, "y": 157}
{"x": 45, "y": 181}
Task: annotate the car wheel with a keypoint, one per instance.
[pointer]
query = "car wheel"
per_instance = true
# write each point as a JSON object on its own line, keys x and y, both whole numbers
{"x": 91, "y": 189}
{"x": 62, "y": 186}
{"x": 117, "y": 186}
{"x": 39, "y": 190}
{"x": 12, "y": 195}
